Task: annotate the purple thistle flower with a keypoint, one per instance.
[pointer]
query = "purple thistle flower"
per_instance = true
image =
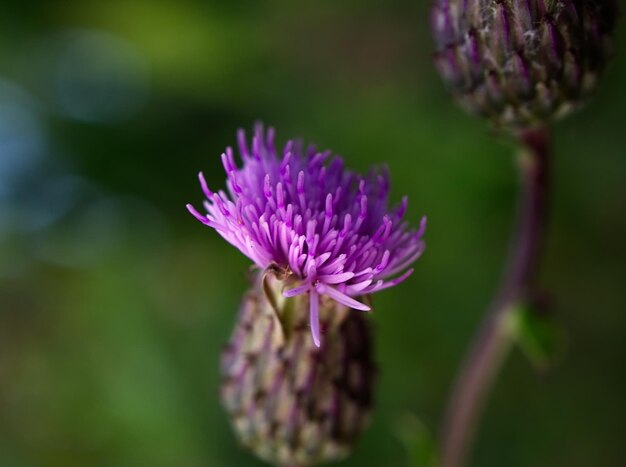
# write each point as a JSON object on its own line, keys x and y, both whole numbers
{"x": 302, "y": 211}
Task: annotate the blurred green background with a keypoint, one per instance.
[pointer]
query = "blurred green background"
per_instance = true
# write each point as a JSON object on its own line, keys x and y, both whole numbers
{"x": 115, "y": 302}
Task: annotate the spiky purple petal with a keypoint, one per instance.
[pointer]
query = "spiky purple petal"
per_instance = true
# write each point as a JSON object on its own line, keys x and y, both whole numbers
{"x": 302, "y": 211}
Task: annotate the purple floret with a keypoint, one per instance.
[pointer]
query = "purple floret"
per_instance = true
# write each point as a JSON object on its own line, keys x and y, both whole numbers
{"x": 303, "y": 211}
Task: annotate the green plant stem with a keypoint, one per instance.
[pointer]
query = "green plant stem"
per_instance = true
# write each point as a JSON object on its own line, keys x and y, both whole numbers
{"x": 492, "y": 341}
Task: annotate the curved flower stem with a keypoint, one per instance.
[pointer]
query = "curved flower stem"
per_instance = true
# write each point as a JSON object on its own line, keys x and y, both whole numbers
{"x": 491, "y": 343}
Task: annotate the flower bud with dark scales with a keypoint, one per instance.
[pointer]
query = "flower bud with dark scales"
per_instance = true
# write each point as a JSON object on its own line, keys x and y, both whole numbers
{"x": 521, "y": 63}
{"x": 290, "y": 402}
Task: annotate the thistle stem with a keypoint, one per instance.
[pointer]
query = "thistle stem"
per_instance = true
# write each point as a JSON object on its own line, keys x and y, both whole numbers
{"x": 490, "y": 345}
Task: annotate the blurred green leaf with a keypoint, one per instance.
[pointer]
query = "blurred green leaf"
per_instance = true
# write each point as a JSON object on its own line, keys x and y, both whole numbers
{"x": 418, "y": 441}
{"x": 537, "y": 334}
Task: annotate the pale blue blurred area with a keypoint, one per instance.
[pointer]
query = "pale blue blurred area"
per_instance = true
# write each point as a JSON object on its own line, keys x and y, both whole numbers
{"x": 99, "y": 77}
{"x": 22, "y": 136}
{"x": 115, "y": 303}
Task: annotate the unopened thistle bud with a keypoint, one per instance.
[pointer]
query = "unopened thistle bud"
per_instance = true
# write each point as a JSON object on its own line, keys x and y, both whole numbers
{"x": 298, "y": 370}
{"x": 522, "y": 62}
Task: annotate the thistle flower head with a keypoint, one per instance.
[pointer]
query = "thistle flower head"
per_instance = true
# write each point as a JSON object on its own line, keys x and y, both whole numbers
{"x": 522, "y": 62}
{"x": 328, "y": 230}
